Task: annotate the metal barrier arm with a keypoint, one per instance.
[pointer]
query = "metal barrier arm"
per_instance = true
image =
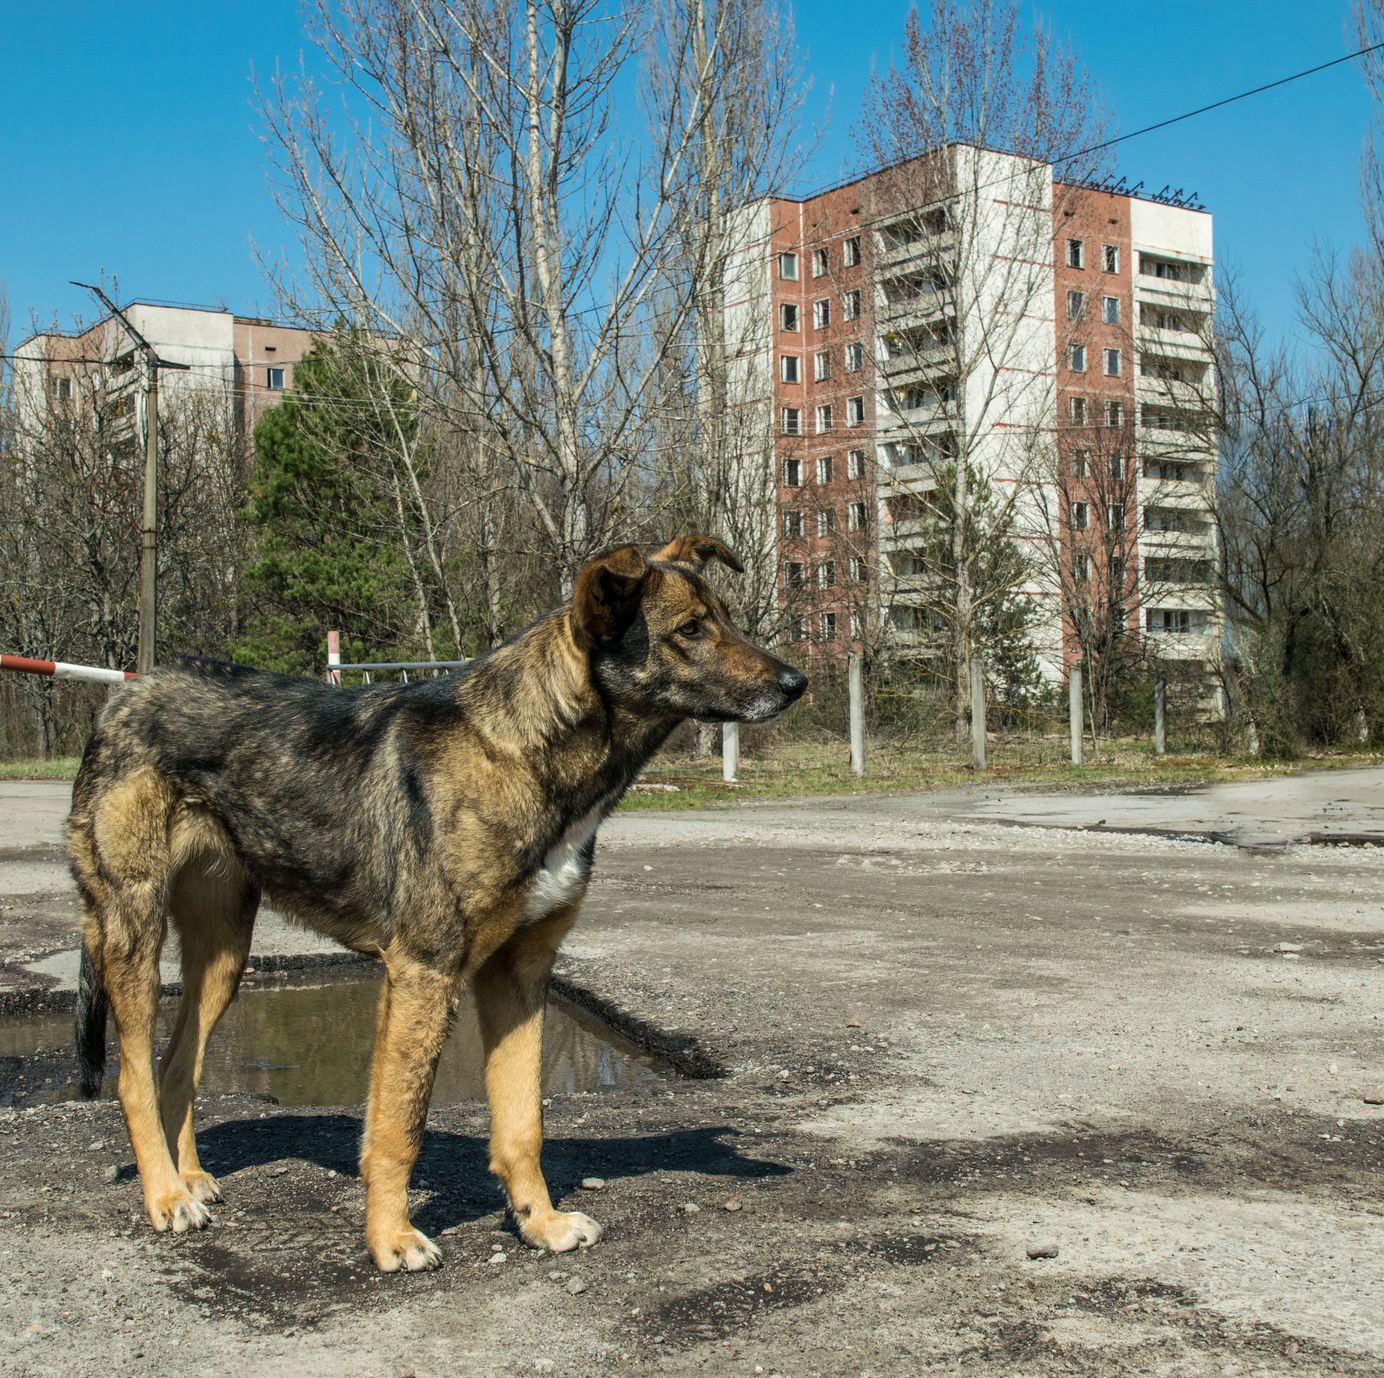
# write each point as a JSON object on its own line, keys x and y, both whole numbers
{"x": 61, "y": 669}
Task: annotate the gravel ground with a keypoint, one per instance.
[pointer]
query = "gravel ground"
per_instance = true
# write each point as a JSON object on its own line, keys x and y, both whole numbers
{"x": 994, "y": 1097}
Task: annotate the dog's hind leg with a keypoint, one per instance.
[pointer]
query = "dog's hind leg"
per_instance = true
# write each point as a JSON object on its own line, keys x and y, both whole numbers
{"x": 131, "y": 835}
{"x": 416, "y": 1009}
{"x": 213, "y": 906}
{"x": 511, "y": 990}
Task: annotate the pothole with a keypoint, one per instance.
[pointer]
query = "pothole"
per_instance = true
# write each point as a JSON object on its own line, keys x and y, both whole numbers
{"x": 311, "y": 1044}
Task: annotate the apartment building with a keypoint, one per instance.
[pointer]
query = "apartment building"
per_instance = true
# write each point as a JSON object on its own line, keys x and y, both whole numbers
{"x": 242, "y": 363}
{"x": 967, "y": 307}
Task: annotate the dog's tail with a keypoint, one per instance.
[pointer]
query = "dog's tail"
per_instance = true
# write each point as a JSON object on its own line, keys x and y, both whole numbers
{"x": 93, "y": 1007}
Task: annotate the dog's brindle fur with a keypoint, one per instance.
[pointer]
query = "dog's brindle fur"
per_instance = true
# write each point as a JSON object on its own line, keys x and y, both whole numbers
{"x": 446, "y": 827}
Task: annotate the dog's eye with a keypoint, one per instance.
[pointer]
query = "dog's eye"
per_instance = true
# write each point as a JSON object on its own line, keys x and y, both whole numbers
{"x": 690, "y": 628}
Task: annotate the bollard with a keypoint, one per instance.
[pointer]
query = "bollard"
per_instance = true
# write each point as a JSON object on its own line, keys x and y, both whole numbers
{"x": 977, "y": 713}
{"x": 1160, "y": 712}
{"x": 855, "y": 682}
{"x": 1074, "y": 713}
{"x": 334, "y": 657}
{"x": 730, "y": 751}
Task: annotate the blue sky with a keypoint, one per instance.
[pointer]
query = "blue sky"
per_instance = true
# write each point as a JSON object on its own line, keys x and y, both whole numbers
{"x": 132, "y": 146}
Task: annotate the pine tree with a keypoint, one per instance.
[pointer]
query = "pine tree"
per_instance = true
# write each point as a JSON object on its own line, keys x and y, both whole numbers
{"x": 328, "y": 529}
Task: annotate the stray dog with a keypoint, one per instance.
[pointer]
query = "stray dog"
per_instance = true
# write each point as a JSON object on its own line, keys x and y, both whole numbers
{"x": 446, "y": 827}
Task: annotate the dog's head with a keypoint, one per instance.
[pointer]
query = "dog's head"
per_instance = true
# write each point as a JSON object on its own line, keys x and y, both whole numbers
{"x": 661, "y": 642}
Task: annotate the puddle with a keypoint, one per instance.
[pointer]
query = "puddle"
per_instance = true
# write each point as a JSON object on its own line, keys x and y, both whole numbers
{"x": 310, "y": 1045}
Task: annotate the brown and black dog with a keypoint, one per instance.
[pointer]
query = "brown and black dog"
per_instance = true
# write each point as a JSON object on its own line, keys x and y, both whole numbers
{"x": 446, "y": 827}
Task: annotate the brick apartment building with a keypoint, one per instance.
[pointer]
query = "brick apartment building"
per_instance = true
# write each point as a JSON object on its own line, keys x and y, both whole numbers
{"x": 869, "y": 321}
{"x": 242, "y": 362}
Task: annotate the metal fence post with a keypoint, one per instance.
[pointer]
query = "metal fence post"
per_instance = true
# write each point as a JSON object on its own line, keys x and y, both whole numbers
{"x": 1160, "y": 712}
{"x": 977, "y": 713}
{"x": 1074, "y": 713}
{"x": 855, "y": 683}
{"x": 730, "y": 751}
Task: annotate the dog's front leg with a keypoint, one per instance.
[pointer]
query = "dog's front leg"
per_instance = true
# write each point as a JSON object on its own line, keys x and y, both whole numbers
{"x": 511, "y": 989}
{"x": 415, "y": 1013}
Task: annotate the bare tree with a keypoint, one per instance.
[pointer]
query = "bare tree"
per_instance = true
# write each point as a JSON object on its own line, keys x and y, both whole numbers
{"x": 969, "y": 131}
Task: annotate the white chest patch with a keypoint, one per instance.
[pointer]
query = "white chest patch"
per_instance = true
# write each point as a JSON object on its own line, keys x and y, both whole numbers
{"x": 563, "y": 875}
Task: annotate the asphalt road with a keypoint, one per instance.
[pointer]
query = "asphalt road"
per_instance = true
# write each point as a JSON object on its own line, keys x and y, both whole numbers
{"x": 950, "y": 1034}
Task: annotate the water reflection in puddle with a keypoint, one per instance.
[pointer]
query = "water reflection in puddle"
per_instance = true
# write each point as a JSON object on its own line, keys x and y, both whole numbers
{"x": 310, "y": 1045}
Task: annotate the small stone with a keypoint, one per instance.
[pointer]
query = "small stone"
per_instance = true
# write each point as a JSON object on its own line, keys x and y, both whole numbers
{"x": 1287, "y": 947}
{"x": 575, "y": 1287}
{"x": 852, "y": 1023}
{"x": 556, "y": 1276}
{"x": 1044, "y": 1250}
{"x": 593, "y": 1183}
{"x": 109, "y": 1174}
{"x": 96, "y": 1145}
{"x": 734, "y": 1204}
{"x": 497, "y": 1257}
{"x": 690, "y": 1208}
{"x": 1375, "y": 1097}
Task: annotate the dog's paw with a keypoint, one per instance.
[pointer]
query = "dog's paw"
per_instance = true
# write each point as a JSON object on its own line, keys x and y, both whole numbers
{"x": 178, "y": 1211}
{"x": 407, "y": 1250}
{"x": 560, "y": 1231}
{"x": 203, "y": 1186}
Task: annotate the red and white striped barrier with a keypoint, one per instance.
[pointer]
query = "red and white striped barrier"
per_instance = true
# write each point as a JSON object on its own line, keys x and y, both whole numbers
{"x": 60, "y": 669}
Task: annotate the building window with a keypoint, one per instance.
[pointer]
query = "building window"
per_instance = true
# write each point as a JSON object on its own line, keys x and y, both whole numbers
{"x": 792, "y": 421}
{"x": 824, "y": 419}
{"x": 1110, "y": 257}
{"x": 1112, "y": 363}
{"x": 855, "y": 516}
{"x": 274, "y": 379}
{"x": 1081, "y": 516}
{"x": 855, "y": 464}
{"x": 855, "y": 358}
{"x": 1076, "y": 305}
{"x": 1117, "y": 467}
{"x": 826, "y": 574}
{"x": 855, "y": 411}
{"x": 824, "y": 469}
{"x": 828, "y": 626}
{"x": 1177, "y": 621}
{"x": 793, "y": 525}
{"x": 1076, "y": 410}
{"x": 797, "y": 629}
{"x": 1110, "y": 310}
{"x": 1081, "y": 569}
{"x": 826, "y": 521}
{"x": 62, "y": 389}
{"x": 850, "y": 251}
{"x": 857, "y": 625}
{"x": 821, "y": 365}
{"x": 788, "y": 368}
{"x": 1114, "y": 516}
{"x": 1081, "y": 463}
{"x": 792, "y": 473}
{"x": 788, "y": 267}
{"x": 794, "y": 574}
{"x": 819, "y": 263}
{"x": 1114, "y": 414}
{"x": 821, "y": 313}
{"x": 788, "y": 316}
{"x": 1076, "y": 358}
{"x": 850, "y": 306}
{"x": 860, "y": 572}
{"x": 1076, "y": 253}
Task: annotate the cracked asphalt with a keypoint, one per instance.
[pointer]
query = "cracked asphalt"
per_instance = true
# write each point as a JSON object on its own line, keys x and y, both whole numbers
{"x": 928, "y": 1036}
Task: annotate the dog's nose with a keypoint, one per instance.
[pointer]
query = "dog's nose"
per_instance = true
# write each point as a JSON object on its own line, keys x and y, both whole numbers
{"x": 791, "y": 681}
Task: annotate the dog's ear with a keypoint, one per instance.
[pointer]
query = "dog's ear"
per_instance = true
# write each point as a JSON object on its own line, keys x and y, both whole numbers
{"x": 699, "y": 551}
{"x": 605, "y": 595}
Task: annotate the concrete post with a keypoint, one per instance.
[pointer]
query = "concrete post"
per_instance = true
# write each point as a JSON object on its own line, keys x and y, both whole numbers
{"x": 856, "y": 687}
{"x": 149, "y": 524}
{"x": 1075, "y": 711}
{"x": 730, "y": 751}
{"x": 1160, "y": 712}
{"x": 977, "y": 713}
{"x": 334, "y": 657}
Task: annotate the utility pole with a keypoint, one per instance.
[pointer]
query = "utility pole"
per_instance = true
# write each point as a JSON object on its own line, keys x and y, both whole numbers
{"x": 148, "y": 532}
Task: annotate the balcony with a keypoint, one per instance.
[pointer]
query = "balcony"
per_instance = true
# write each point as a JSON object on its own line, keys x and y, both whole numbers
{"x": 1172, "y": 392}
{"x": 927, "y": 359}
{"x": 922, "y": 420}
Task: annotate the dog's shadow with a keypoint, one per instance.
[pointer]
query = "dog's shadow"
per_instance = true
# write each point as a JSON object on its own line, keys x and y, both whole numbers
{"x": 454, "y": 1167}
